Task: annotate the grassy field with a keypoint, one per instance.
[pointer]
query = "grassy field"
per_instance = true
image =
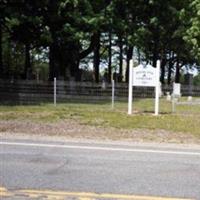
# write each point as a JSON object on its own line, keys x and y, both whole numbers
{"x": 185, "y": 120}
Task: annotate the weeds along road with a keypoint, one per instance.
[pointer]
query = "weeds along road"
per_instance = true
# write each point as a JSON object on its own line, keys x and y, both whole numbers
{"x": 95, "y": 171}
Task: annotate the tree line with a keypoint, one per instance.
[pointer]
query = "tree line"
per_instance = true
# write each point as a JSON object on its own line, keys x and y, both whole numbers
{"x": 67, "y": 33}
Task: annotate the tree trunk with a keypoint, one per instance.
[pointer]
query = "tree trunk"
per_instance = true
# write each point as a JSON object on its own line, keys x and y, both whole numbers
{"x": 120, "y": 59}
{"x": 54, "y": 50}
{"x": 27, "y": 67}
{"x": 110, "y": 57}
{"x": 177, "y": 76}
{"x": 96, "y": 60}
{"x": 169, "y": 72}
{"x": 163, "y": 64}
{"x": 128, "y": 58}
{"x": 155, "y": 52}
{"x": 139, "y": 56}
{"x": 53, "y": 61}
{"x": 73, "y": 63}
{"x": 52, "y": 73}
{"x": 1, "y": 52}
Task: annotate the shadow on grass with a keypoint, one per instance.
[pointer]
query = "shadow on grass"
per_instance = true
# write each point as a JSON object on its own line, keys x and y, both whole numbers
{"x": 152, "y": 112}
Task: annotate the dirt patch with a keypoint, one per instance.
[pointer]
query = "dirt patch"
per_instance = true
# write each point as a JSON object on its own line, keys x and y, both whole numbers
{"x": 71, "y": 129}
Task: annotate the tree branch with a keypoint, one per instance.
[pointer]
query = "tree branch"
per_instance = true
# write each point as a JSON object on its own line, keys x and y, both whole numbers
{"x": 87, "y": 51}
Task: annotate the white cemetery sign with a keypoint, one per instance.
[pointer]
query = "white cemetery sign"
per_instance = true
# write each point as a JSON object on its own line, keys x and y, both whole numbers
{"x": 144, "y": 76}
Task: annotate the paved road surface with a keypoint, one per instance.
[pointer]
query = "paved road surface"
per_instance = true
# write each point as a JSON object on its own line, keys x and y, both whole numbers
{"x": 30, "y": 170}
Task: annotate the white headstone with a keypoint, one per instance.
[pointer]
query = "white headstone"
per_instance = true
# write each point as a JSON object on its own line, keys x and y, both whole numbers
{"x": 189, "y": 98}
{"x": 168, "y": 96}
{"x": 177, "y": 89}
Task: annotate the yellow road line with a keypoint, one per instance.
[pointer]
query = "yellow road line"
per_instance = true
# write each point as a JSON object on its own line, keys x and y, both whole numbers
{"x": 60, "y": 195}
{"x": 3, "y": 189}
{"x": 95, "y": 195}
{"x": 54, "y": 197}
{"x": 4, "y": 192}
{"x": 33, "y": 195}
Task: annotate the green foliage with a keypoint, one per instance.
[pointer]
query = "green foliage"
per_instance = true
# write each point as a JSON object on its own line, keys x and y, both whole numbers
{"x": 192, "y": 26}
{"x": 157, "y": 29}
{"x": 196, "y": 80}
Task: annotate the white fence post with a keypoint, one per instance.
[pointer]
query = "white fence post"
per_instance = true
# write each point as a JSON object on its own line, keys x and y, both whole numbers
{"x": 113, "y": 93}
{"x": 157, "y": 88}
{"x": 130, "y": 90}
{"x": 173, "y": 104}
{"x": 54, "y": 91}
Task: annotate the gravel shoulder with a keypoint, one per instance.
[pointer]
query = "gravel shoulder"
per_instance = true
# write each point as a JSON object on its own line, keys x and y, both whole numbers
{"x": 74, "y": 130}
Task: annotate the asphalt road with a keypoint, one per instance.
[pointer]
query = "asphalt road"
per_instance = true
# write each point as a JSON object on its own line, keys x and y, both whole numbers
{"x": 95, "y": 171}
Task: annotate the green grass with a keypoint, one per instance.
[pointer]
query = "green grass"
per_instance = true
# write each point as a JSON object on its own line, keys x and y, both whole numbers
{"x": 185, "y": 120}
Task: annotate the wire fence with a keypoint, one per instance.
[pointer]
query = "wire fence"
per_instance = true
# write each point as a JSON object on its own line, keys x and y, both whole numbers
{"x": 34, "y": 92}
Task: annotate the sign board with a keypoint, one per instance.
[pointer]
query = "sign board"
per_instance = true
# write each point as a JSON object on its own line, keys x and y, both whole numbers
{"x": 144, "y": 75}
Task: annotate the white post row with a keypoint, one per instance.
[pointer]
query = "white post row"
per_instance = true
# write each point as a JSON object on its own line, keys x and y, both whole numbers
{"x": 144, "y": 76}
{"x": 130, "y": 90}
{"x": 157, "y": 88}
{"x": 113, "y": 93}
